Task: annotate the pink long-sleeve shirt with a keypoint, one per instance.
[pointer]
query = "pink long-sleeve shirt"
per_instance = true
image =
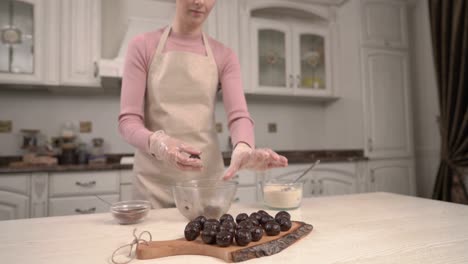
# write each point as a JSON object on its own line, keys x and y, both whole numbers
{"x": 140, "y": 53}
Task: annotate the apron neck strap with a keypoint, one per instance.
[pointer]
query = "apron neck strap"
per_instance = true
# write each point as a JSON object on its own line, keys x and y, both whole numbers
{"x": 163, "y": 40}
{"x": 209, "y": 52}
{"x": 165, "y": 36}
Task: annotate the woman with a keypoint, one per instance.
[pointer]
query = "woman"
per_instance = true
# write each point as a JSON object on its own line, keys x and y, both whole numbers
{"x": 170, "y": 81}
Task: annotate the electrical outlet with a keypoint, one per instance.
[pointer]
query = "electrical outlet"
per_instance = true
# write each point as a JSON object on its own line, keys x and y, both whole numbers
{"x": 6, "y": 126}
{"x": 272, "y": 128}
{"x": 219, "y": 127}
{"x": 86, "y": 126}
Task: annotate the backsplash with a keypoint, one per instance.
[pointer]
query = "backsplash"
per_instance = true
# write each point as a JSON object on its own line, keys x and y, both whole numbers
{"x": 299, "y": 124}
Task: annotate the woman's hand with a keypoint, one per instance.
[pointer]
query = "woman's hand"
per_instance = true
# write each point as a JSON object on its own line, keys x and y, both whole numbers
{"x": 174, "y": 152}
{"x": 243, "y": 157}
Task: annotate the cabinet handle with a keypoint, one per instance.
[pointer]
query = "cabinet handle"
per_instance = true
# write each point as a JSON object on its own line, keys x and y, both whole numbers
{"x": 96, "y": 69}
{"x": 370, "y": 144}
{"x": 298, "y": 84}
{"x": 372, "y": 177}
{"x": 237, "y": 199}
{"x": 86, "y": 211}
{"x": 320, "y": 186}
{"x": 312, "y": 182}
{"x": 86, "y": 184}
{"x": 291, "y": 81}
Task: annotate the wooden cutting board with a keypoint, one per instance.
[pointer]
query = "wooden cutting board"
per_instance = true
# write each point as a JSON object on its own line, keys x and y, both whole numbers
{"x": 267, "y": 246}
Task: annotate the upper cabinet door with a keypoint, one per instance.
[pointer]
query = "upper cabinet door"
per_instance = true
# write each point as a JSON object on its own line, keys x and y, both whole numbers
{"x": 387, "y": 111}
{"x": 270, "y": 56}
{"x": 81, "y": 35}
{"x": 312, "y": 62}
{"x": 21, "y": 41}
{"x": 384, "y": 23}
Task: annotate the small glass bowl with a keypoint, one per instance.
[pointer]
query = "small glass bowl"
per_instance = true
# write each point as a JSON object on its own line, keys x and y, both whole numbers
{"x": 282, "y": 195}
{"x": 130, "y": 212}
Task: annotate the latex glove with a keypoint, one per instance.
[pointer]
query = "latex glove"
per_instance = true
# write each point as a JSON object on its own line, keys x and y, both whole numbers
{"x": 244, "y": 157}
{"x": 173, "y": 151}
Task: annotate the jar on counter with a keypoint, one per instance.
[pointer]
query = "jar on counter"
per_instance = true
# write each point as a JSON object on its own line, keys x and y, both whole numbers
{"x": 82, "y": 154}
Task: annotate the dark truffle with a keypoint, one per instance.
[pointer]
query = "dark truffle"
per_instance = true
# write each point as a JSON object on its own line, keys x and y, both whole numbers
{"x": 224, "y": 239}
{"x": 201, "y": 219}
{"x": 225, "y": 217}
{"x": 285, "y": 223}
{"x": 208, "y": 236}
{"x": 272, "y": 228}
{"x": 257, "y": 233}
{"x": 243, "y": 237}
{"x": 241, "y": 217}
{"x": 283, "y": 214}
{"x": 192, "y": 230}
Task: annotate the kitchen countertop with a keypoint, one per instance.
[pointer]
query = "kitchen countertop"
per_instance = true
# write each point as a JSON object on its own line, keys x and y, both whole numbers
{"x": 294, "y": 157}
{"x": 360, "y": 228}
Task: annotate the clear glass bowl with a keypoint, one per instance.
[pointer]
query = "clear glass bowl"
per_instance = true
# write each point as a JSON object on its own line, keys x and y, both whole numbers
{"x": 130, "y": 212}
{"x": 210, "y": 198}
{"x": 282, "y": 195}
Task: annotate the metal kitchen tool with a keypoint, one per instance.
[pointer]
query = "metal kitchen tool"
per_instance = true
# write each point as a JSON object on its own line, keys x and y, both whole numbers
{"x": 103, "y": 200}
{"x": 306, "y": 171}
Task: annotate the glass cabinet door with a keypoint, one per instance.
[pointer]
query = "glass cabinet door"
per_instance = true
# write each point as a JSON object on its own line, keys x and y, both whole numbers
{"x": 17, "y": 37}
{"x": 271, "y": 62}
{"x": 312, "y": 60}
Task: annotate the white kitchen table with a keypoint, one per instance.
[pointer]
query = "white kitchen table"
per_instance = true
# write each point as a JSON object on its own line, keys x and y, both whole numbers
{"x": 362, "y": 228}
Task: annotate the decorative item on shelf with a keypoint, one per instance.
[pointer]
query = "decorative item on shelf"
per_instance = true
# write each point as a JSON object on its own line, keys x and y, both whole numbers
{"x": 11, "y": 36}
{"x": 30, "y": 138}
{"x": 97, "y": 155}
{"x": 313, "y": 58}
{"x": 272, "y": 57}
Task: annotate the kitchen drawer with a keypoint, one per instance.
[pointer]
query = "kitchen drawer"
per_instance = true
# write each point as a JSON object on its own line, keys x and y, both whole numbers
{"x": 16, "y": 183}
{"x": 246, "y": 195}
{"x": 83, "y": 183}
{"x": 80, "y": 205}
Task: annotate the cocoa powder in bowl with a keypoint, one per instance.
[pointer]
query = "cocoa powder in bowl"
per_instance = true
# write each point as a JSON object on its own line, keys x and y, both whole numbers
{"x": 130, "y": 212}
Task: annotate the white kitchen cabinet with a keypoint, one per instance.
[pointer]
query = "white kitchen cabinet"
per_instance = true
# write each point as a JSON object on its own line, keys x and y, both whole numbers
{"x": 29, "y": 42}
{"x": 286, "y": 48}
{"x": 83, "y": 183}
{"x": 14, "y": 196}
{"x": 396, "y": 176}
{"x": 290, "y": 58}
{"x": 80, "y": 205}
{"x": 334, "y": 179}
{"x": 75, "y": 192}
{"x": 384, "y": 23}
{"x": 388, "y": 129}
{"x": 39, "y": 194}
{"x": 60, "y": 44}
{"x": 81, "y": 46}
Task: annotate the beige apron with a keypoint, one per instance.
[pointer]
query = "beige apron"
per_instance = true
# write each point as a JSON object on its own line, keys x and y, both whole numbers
{"x": 180, "y": 99}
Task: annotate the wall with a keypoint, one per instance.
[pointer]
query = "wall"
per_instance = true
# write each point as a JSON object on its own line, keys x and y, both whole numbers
{"x": 299, "y": 124}
{"x": 425, "y": 104}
